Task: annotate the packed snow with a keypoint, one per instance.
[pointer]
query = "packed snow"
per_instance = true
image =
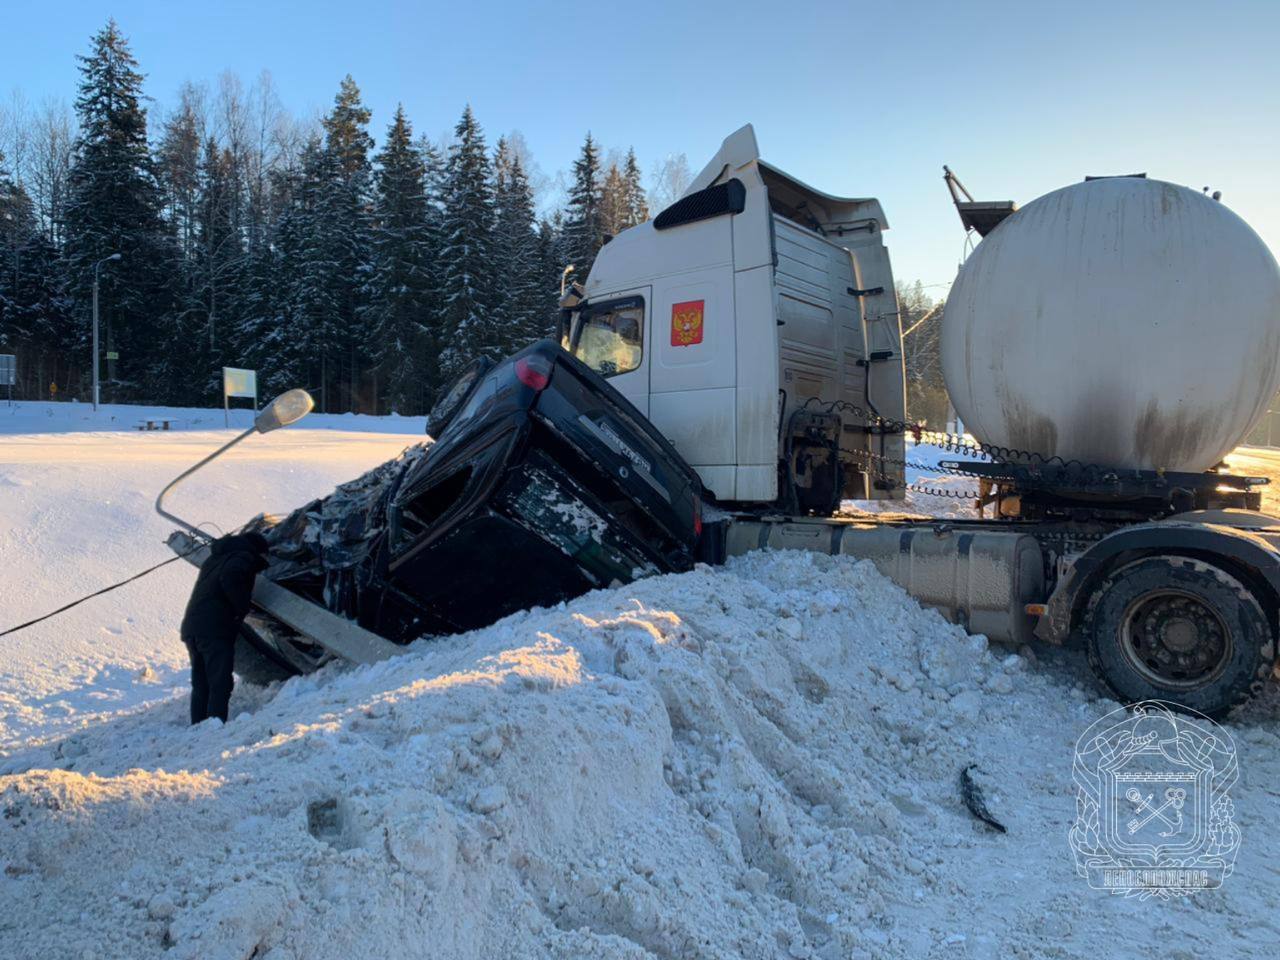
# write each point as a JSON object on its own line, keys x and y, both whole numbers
{"x": 760, "y": 760}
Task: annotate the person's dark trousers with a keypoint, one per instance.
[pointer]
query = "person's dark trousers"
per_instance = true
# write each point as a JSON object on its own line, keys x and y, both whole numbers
{"x": 211, "y": 680}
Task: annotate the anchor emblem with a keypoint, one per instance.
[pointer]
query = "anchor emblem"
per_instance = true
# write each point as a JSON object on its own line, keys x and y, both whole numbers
{"x": 1174, "y": 798}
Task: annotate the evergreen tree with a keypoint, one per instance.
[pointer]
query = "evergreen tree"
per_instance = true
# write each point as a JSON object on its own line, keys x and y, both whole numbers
{"x": 315, "y": 252}
{"x": 178, "y": 169}
{"x": 637, "y": 203}
{"x": 114, "y": 207}
{"x": 401, "y": 294}
{"x": 615, "y": 211}
{"x": 13, "y": 217}
{"x": 346, "y": 133}
{"x": 516, "y": 254}
{"x": 584, "y": 233}
{"x": 552, "y": 258}
{"x": 208, "y": 322}
{"x": 467, "y": 268}
{"x": 270, "y": 336}
{"x": 342, "y": 215}
{"x": 34, "y": 316}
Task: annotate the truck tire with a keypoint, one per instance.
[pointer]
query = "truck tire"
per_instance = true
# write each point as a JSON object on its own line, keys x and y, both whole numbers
{"x": 1179, "y": 629}
{"x": 256, "y": 663}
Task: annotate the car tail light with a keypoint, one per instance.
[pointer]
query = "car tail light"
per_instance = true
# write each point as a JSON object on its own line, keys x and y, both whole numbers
{"x": 697, "y": 516}
{"x": 534, "y": 371}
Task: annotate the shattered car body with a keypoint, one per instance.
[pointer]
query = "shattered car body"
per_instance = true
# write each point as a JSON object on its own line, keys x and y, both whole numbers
{"x": 544, "y": 484}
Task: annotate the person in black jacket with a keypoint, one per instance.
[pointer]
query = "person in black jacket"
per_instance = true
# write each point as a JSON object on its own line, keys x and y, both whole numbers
{"x": 218, "y": 604}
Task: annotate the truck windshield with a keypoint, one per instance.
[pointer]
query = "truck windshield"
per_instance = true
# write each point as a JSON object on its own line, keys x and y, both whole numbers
{"x": 609, "y": 337}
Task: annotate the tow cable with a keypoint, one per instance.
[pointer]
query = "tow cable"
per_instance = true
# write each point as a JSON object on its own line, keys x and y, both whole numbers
{"x": 96, "y": 593}
{"x": 99, "y": 593}
{"x": 290, "y": 407}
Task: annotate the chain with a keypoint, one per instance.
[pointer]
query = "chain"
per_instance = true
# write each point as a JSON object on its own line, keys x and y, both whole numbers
{"x": 868, "y": 466}
{"x": 953, "y": 443}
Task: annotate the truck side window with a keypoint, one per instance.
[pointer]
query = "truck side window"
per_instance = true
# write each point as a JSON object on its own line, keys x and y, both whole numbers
{"x": 611, "y": 338}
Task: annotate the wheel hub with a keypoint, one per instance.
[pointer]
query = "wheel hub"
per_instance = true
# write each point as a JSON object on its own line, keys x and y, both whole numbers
{"x": 1174, "y": 638}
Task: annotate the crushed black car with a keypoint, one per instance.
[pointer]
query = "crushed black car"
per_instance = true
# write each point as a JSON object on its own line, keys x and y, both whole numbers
{"x": 542, "y": 482}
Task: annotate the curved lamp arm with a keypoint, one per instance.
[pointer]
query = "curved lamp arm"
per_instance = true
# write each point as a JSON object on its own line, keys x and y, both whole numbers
{"x": 290, "y": 407}
{"x": 188, "y": 472}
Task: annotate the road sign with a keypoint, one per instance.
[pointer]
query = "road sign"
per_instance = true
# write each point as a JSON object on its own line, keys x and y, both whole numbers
{"x": 238, "y": 383}
{"x": 113, "y": 355}
{"x": 8, "y": 373}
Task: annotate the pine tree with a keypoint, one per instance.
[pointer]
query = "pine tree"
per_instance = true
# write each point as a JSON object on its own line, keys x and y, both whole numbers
{"x": 178, "y": 169}
{"x": 215, "y": 266}
{"x": 401, "y": 294}
{"x": 316, "y": 252}
{"x": 343, "y": 214}
{"x": 516, "y": 247}
{"x": 14, "y": 213}
{"x": 584, "y": 234}
{"x": 615, "y": 211}
{"x": 114, "y": 207}
{"x": 322, "y": 242}
{"x": 637, "y": 203}
{"x": 467, "y": 268}
{"x": 552, "y": 258}
{"x": 346, "y": 136}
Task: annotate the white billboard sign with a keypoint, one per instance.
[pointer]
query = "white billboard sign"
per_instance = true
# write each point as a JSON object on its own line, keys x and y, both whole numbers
{"x": 8, "y": 373}
{"x": 238, "y": 383}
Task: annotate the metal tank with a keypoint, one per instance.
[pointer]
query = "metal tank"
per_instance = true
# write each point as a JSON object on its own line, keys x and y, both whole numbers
{"x": 1121, "y": 321}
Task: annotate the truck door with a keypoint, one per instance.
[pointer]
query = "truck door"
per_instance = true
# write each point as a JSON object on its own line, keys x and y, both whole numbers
{"x": 614, "y": 339}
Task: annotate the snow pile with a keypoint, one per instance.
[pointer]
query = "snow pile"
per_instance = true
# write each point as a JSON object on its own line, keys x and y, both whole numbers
{"x": 757, "y": 761}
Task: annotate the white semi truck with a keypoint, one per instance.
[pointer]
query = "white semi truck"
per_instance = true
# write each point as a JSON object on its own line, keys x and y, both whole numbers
{"x": 1110, "y": 342}
{"x": 1107, "y": 344}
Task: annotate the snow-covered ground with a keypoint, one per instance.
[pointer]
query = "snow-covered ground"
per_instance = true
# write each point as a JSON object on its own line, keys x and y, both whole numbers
{"x": 754, "y": 761}
{"x": 76, "y": 511}
{"x": 29, "y": 416}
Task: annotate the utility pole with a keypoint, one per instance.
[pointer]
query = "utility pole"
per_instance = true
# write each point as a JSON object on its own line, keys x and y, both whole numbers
{"x": 96, "y": 267}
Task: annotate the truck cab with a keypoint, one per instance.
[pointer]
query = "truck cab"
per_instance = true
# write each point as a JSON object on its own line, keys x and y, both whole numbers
{"x": 755, "y": 323}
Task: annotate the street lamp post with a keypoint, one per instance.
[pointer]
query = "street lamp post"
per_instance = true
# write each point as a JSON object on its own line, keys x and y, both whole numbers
{"x": 96, "y": 267}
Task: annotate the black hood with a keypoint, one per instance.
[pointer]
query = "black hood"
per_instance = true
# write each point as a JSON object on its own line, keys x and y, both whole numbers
{"x": 254, "y": 543}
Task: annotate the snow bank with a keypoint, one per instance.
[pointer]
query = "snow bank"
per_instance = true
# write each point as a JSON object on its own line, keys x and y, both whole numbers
{"x": 758, "y": 761}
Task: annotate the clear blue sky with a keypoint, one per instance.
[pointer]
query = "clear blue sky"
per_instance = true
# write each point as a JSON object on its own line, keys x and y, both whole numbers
{"x": 856, "y": 98}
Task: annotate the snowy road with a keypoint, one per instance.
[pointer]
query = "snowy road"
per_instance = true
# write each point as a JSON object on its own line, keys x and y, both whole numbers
{"x": 758, "y": 761}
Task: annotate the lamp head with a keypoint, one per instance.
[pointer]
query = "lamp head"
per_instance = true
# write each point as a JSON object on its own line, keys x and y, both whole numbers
{"x": 290, "y": 407}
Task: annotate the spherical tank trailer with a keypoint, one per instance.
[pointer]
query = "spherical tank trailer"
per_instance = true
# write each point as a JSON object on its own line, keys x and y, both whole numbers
{"x": 1120, "y": 321}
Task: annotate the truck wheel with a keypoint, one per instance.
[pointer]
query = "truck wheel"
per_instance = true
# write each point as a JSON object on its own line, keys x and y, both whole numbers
{"x": 1181, "y": 630}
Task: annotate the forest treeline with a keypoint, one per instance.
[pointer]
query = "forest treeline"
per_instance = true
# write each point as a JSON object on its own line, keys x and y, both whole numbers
{"x": 369, "y": 273}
